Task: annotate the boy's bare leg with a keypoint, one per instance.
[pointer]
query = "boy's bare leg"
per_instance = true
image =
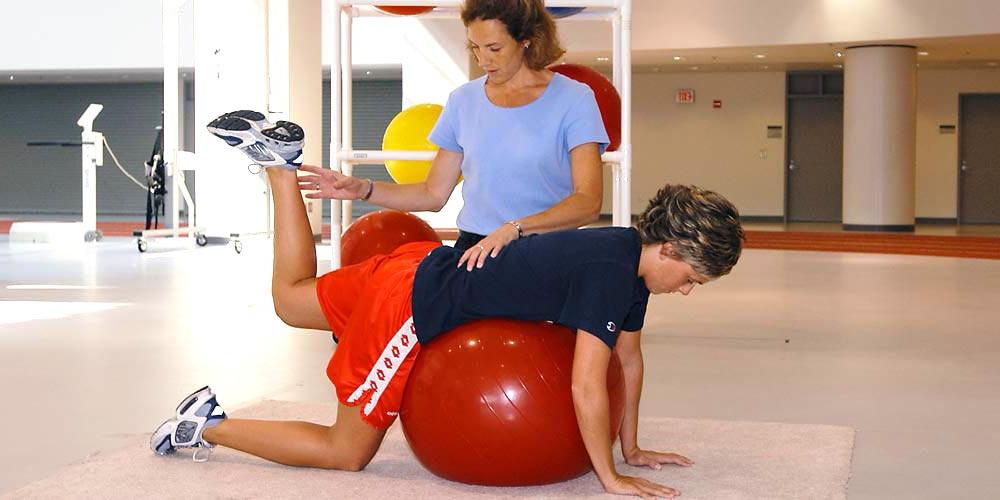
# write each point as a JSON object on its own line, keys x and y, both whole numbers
{"x": 293, "y": 284}
{"x": 348, "y": 444}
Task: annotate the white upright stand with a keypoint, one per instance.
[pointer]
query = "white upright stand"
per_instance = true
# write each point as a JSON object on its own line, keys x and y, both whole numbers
{"x": 343, "y": 156}
{"x": 92, "y": 149}
{"x": 91, "y": 157}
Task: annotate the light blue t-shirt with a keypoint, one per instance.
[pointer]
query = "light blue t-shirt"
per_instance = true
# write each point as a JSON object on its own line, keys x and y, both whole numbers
{"x": 516, "y": 160}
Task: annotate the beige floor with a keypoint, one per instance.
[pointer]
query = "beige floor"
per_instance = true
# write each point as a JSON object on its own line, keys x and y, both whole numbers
{"x": 100, "y": 342}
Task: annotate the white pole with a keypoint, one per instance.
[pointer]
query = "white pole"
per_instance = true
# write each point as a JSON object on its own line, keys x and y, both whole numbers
{"x": 171, "y": 104}
{"x": 335, "y": 138}
{"x": 347, "y": 121}
{"x": 625, "y": 206}
{"x": 91, "y": 152}
{"x": 616, "y": 169}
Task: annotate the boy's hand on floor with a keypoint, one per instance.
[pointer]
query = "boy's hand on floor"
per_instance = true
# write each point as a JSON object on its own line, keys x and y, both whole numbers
{"x": 654, "y": 459}
{"x": 637, "y": 486}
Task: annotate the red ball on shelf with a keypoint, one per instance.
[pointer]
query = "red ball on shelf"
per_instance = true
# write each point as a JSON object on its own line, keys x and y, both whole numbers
{"x": 403, "y": 11}
{"x": 608, "y": 100}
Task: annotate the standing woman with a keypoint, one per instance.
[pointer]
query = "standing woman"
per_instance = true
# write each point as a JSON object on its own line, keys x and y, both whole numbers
{"x": 527, "y": 141}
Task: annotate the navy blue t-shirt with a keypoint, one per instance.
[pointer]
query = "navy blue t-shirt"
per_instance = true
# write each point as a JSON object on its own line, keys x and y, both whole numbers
{"x": 584, "y": 279}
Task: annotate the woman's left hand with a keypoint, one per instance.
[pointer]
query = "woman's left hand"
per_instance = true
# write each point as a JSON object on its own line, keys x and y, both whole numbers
{"x": 489, "y": 246}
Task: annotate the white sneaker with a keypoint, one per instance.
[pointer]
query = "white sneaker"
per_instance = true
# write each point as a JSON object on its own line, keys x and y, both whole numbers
{"x": 194, "y": 414}
{"x": 267, "y": 144}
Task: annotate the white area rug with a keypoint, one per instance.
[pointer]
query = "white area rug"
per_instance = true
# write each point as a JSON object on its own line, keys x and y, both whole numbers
{"x": 734, "y": 460}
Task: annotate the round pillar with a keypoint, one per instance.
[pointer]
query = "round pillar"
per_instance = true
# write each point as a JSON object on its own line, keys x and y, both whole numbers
{"x": 880, "y": 102}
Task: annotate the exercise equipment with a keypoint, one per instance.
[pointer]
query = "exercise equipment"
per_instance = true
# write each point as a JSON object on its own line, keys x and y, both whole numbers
{"x": 408, "y": 131}
{"x": 490, "y": 403}
{"x": 403, "y": 11}
{"x": 381, "y": 232}
{"x": 92, "y": 145}
{"x": 561, "y": 12}
{"x": 608, "y": 100}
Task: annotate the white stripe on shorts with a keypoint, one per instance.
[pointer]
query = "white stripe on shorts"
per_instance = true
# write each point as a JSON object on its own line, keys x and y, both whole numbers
{"x": 381, "y": 374}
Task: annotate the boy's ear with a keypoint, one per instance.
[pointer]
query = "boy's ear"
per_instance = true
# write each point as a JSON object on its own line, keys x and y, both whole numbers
{"x": 667, "y": 250}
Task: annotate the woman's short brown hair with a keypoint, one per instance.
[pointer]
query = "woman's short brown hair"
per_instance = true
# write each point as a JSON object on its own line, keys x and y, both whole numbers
{"x": 703, "y": 226}
{"x": 526, "y": 21}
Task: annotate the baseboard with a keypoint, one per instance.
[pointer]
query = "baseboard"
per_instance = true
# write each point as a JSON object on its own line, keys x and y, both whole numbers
{"x": 891, "y": 228}
{"x": 770, "y": 219}
{"x": 937, "y": 221}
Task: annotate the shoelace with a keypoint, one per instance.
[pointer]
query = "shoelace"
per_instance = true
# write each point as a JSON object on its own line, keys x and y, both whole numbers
{"x": 201, "y": 455}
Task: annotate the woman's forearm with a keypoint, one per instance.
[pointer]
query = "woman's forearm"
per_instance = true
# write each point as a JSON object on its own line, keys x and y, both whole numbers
{"x": 633, "y": 371}
{"x": 575, "y": 210}
{"x": 592, "y": 415}
{"x": 406, "y": 197}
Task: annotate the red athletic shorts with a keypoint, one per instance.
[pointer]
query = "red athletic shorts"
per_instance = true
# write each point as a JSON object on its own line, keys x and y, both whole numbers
{"x": 368, "y": 308}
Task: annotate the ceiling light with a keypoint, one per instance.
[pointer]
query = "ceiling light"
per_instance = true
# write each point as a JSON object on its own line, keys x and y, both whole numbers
{"x": 678, "y": 58}
{"x": 838, "y": 66}
{"x": 694, "y": 68}
{"x": 991, "y": 64}
{"x": 839, "y": 54}
{"x": 368, "y": 73}
{"x": 11, "y": 77}
{"x": 603, "y": 59}
{"x": 923, "y": 53}
{"x": 759, "y": 56}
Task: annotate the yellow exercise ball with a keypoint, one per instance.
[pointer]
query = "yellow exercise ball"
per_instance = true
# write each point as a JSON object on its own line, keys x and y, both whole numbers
{"x": 408, "y": 131}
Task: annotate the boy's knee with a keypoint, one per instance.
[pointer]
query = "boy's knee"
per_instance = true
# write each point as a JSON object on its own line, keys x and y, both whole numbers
{"x": 356, "y": 464}
{"x": 346, "y": 461}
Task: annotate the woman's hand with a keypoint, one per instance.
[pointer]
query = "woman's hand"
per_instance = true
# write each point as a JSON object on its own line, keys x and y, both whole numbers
{"x": 637, "y": 486}
{"x": 489, "y": 246}
{"x": 330, "y": 184}
{"x": 654, "y": 459}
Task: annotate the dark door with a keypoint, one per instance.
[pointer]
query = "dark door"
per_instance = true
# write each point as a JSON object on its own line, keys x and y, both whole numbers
{"x": 814, "y": 171}
{"x": 979, "y": 160}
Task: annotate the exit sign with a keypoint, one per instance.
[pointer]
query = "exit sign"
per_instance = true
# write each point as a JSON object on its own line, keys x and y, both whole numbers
{"x": 685, "y": 96}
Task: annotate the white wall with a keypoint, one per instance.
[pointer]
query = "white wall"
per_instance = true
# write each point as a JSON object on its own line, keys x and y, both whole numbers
{"x": 114, "y": 34}
{"x": 736, "y": 23}
{"x": 937, "y": 154}
{"x": 718, "y": 149}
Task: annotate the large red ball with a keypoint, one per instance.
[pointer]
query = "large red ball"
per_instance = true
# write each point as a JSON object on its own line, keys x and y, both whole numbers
{"x": 608, "y": 100}
{"x": 381, "y": 232}
{"x": 403, "y": 11}
{"x": 490, "y": 403}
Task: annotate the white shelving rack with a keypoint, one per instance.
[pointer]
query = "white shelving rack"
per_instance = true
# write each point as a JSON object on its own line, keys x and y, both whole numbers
{"x": 343, "y": 156}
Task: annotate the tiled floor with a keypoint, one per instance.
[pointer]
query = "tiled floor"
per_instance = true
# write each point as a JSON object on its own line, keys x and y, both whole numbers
{"x": 99, "y": 341}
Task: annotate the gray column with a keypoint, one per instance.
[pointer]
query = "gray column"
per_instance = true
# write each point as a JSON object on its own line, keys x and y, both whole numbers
{"x": 880, "y": 95}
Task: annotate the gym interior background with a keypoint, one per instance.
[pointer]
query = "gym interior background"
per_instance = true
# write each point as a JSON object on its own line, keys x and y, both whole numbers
{"x": 902, "y": 348}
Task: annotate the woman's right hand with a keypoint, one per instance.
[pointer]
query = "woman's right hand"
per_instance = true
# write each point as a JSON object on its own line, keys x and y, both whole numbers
{"x": 330, "y": 184}
{"x": 637, "y": 486}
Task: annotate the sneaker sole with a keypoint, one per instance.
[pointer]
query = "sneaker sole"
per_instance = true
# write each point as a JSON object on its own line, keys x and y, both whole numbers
{"x": 261, "y": 144}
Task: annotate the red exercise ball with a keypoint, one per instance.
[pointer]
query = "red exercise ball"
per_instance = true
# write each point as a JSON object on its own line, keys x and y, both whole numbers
{"x": 608, "y": 100}
{"x": 381, "y": 232}
{"x": 490, "y": 403}
{"x": 403, "y": 11}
